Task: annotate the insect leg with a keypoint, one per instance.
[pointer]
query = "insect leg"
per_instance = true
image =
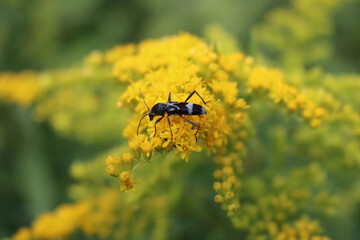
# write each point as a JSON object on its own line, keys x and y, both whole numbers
{"x": 196, "y": 125}
{"x": 170, "y": 130}
{"x": 157, "y": 122}
{"x": 169, "y": 99}
{"x": 191, "y": 94}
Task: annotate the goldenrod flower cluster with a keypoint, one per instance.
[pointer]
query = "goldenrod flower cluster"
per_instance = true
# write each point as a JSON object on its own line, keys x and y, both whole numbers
{"x": 271, "y": 81}
{"x": 94, "y": 216}
{"x": 21, "y": 88}
{"x": 178, "y": 66}
{"x": 302, "y": 229}
{"x": 227, "y": 184}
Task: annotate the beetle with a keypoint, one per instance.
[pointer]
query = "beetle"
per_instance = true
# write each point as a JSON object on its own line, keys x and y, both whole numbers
{"x": 174, "y": 108}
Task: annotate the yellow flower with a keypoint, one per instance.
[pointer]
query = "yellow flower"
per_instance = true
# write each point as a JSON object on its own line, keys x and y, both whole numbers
{"x": 218, "y": 174}
{"x": 136, "y": 141}
{"x": 292, "y": 105}
{"x": 217, "y": 186}
{"x": 22, "y": 88}
{"x": 124, "y": 176}
{"x": 231, "y": 61}
{"x": 228, "y": 171}
{"x": 233, "y": 207}
{"x": 307, "y": 113}
{"x": 240, "y": 104}
{"x": 127, "y": 181}
{"x": 111, "y": 170}
{"x": 219, "y": 199}
{"x": 229, "y": 196}
{"x": 319, "y": 112}
{"x": 127, "y": 157}
{"x": 147, "y": 148}
{"x": 315, "y": 123}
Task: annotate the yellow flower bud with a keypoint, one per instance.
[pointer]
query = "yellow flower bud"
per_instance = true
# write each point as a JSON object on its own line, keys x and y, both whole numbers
{"x": 315, "y": 123}
{"x": 218, "y": 174}
{"x": 110, "y": 160}
{"x": 127, "y": 157}
{"x": 307, "y": 113}
{"x": 240, "y": 104}
{"x": 124, "y": 176}
{"x": 219, "y": 199}
{"x": 228, "y": 171}
{"x": 147, "y": 148}
{"x": 232, "y": 207}
{"x": 239, "y": 146}
{"x": 292, "y": 105}
{"x": 111, "y": 170}
{"x": 217, "y": 186}
{"x": 117, "y": 160}
{"x": 229, "y": 196}
{"x": 319, "y": 112}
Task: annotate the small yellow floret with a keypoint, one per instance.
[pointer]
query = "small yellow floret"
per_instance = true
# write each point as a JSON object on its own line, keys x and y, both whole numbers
{"x": 147, "y": 148}
{"x": 319, "y": 112}
{"x": 307, "y": 113}
{"x": 315, "y": 123}
{"x": 119, "y": 104}
{"x": 228, "y": 171}
{"x": 156, "y": 142}
{"x": 232, "y": 207}
{"x": 292, "y": 105}
{"x": 243, "y": 134}
{"x": 241, "y": 104}
{"x": 227, "y": 185}
{"x": 127, "y": 157}
{"x": 232, "y": 180}
{"x": 218, "y": 174}
{"x": 239, "y": 146}
{"x": 111, "y": 170}
{"x": 217, "y": 186}
{"x": 229, "y": 196}
{"x": 109, "y": 160}
{"x": 124, "y": 176}
{"x": 219, "y": 199}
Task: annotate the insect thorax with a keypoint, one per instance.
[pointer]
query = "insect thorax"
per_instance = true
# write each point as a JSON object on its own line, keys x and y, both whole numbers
{"x": 158, "y": 109}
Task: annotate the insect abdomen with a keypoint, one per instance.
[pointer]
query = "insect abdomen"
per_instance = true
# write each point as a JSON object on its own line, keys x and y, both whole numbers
{"x": 195, "y": 109}
{"x": 185, "y": 109}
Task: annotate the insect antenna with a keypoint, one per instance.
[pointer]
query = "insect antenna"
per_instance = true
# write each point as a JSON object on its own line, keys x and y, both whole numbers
{"x": 137, "y": 132}
{"x": 144, "y": 100}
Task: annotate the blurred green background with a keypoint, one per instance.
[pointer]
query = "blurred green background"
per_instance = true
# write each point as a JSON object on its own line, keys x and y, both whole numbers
{"x": 42, "y": 34}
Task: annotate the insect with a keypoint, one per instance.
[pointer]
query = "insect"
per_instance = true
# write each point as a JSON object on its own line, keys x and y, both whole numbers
{"x": 174, "y": 108}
